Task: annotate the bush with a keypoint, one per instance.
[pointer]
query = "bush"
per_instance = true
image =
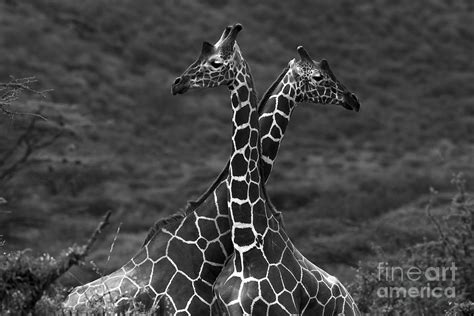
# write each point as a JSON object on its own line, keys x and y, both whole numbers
{"x": 28, "y": 283}
{"x": 22, "y": 283}
{"x": 446, "y": 264}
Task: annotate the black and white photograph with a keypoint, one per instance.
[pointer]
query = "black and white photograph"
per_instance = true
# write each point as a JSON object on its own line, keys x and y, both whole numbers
{"x": 237, "y": 157}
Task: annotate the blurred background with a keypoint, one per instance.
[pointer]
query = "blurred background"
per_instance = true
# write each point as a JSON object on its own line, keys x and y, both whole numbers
{"x": 115, "y": 139}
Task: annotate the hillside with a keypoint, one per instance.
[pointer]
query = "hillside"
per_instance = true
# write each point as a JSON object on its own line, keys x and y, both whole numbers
{"x": 142, "y": 153}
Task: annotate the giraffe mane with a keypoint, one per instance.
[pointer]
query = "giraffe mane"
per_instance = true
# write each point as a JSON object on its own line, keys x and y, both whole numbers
{"x": 191, "y": 206}
{"x": 270, "y": 90}
{"x": 162, "y": 222}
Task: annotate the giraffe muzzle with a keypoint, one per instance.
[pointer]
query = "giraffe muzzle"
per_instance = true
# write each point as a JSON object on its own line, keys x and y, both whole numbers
{"x": 351, "y": 102}
{"x": 180, "y": 85}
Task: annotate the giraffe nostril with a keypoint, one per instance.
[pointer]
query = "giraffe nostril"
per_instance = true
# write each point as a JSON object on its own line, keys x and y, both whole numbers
{"x": 178, "y": 80}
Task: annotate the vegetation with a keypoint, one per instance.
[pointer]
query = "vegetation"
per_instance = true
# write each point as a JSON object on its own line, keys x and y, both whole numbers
{"x": 28, "y": 283}
{"x": 116, "y": 139}
{"x": 429, "y": 277}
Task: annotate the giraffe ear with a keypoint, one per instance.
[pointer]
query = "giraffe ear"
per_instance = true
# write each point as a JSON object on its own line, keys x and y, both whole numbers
{"x": 325, "y": 67}
{"x": 207, "y": 49}
{"x": 324, "y": 64}
{"x": 304, "y": 54}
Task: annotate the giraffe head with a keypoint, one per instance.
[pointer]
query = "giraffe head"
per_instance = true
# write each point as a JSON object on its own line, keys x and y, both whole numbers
{"x": 215, "y": 66}
{"x": 315, "y": 82}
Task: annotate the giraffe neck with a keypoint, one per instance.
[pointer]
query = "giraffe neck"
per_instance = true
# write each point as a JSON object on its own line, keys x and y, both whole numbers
{"x": 274, "y": 118}
{"x": 244, "y": 179}
{"x": 275, "y": 108}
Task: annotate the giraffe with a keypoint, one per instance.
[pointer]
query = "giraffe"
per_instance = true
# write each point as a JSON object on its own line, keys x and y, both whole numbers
{"x": 305, "y": 81}
{"x": 265, "y": 274}
{"x": 153, "y": 279}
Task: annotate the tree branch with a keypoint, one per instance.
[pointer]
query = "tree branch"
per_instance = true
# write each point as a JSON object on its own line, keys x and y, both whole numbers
{"x": 12, "y": 90}
{"x": 75, "y": 255}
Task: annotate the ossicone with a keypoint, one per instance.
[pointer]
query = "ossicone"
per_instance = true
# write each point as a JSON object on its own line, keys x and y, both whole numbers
{"x": 234, "y": 31}
{"x": 225, "y": 33}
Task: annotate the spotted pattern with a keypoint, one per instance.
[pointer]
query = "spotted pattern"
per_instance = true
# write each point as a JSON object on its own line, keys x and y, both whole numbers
{"x": 265, "y": 274}
{"x": 174, "y": 272}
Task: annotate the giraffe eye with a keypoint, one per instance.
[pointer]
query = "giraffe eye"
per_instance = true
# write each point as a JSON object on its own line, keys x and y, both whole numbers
{"x": 317, "y": 77}
{"x": 215, "y": 63}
